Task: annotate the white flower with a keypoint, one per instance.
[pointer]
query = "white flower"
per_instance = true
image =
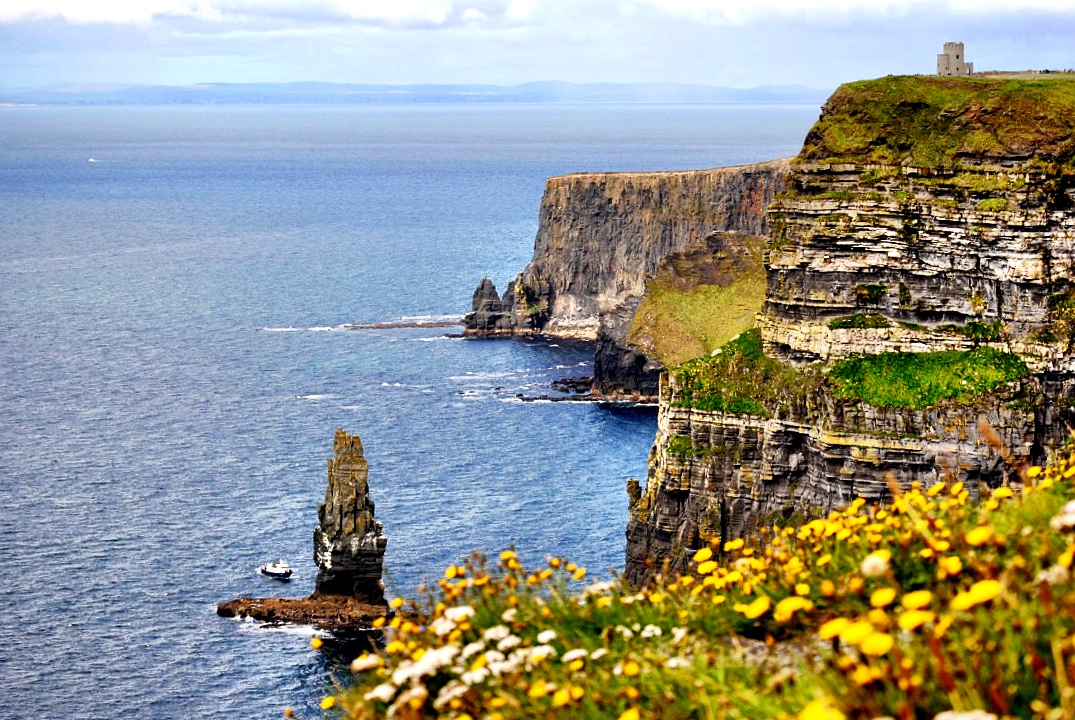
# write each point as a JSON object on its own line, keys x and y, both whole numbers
{"x": 651, "y": 631}
{"x": 627, "y": 632}
{"x": 678, "y": 633}
{"x": 600, "y": 588}
{"x": 495, "y": 633}
{"x": 874, "y": 565}
{"x": 493, "y": 656}
{"x": 968, "y": 715}
{"x": 598, "y": 653}
{"x": 428, "y": 664}
{"x": 508, "y": 643}
{"x": 442, "y": 626}
{"x": 458, "y": 614}
{"x": 1065, "y": 519}
{"x": 383, "y": 692}
{"x": 452, "y": 691}
{"x": 677, "y": 662}
{"x": 475, "y": 647}
{"x": 475, "y": 677}
{"x": 547, "y": 636}
{"x": 540, "y": 652}
{"x": 366, "y": 661}
{"x": 1054, "y": 575}
{"x": 572, "y": 655}
{"x": 509, "y": 614}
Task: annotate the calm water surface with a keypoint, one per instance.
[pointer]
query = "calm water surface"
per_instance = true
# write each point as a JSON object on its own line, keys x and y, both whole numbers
{"x": 173, "y": 367}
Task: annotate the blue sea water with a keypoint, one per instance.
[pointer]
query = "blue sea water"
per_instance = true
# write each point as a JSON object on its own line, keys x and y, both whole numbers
{"x": 173, "y": 365}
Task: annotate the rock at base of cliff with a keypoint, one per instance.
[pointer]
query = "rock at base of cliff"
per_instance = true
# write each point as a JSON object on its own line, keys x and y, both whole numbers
{"x": 334, "y": 613}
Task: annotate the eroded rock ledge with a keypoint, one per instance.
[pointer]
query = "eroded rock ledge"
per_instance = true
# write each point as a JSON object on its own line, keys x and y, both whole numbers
{"x": 349, "y": 546}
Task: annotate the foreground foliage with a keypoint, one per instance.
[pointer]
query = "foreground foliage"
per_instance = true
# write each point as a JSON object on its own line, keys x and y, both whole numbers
{"x": 940, "y": 603}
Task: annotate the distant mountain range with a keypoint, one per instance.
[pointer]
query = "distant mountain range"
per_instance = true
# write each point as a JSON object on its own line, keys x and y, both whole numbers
{"x": 337, "y": 93}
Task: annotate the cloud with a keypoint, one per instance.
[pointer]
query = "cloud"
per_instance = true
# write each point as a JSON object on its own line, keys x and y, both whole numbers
{"x": 397, "y": 13}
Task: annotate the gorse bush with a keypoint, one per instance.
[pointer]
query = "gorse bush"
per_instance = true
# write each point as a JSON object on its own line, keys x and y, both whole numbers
{"x": 939, "y": 603}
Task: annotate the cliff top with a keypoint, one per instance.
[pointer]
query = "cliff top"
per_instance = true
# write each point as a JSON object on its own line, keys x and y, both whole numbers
{"x": 942, "y": 122}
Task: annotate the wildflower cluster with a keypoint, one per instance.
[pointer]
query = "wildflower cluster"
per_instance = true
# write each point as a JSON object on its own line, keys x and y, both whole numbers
{"x": 939, "y": 603}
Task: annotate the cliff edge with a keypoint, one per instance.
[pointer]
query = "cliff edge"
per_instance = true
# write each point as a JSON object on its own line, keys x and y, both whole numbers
{"x": 919, "y": 319}
{"x": 601, "y": 238}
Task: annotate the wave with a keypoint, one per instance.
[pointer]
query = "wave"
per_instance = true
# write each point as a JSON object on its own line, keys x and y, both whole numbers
{"x": 315, "y": 396}
{"x": 281, "y": 329}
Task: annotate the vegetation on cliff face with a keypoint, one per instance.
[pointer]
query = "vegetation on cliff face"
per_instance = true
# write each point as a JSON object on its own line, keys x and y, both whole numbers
{"x": 941, "y": 122}
{"x": 932, "y": 606}
{"x": 700, "y": 298}
{"x": 741, "y": 380}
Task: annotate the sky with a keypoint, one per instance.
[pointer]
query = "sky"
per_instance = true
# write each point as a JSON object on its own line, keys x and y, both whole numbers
{"x": 731, "y": 43}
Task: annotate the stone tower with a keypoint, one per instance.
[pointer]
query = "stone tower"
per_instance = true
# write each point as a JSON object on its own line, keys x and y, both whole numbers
{"x": 952, "y": 61}
{"x": 349, "y": 543}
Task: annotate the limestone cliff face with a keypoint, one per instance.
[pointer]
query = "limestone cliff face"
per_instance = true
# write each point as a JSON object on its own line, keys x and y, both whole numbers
{"x": 922, "y": 215}
{"x": 717, "y": 475}
{"x": 349, "y": 543}
{"x": 601, "y": 236}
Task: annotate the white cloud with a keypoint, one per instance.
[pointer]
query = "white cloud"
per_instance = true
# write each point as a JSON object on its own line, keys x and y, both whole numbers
{"x": 741, "y": 12}
{"x": 401, "y": 13}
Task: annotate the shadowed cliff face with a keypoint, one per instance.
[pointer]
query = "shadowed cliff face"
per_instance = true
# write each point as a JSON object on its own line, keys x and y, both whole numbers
{"x": 919, "y": 217}
{"x": 601, "y": 236}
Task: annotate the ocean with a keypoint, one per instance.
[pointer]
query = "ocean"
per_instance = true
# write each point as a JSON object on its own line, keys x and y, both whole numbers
{"x": 175, "y": 289}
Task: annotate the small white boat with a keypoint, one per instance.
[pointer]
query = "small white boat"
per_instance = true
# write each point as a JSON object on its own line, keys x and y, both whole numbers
{"x": 277, "y": 569}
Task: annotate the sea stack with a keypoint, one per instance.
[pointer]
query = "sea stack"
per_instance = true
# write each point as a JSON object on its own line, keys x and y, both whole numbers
{"x": 349, "y": 547}
{"x": 349, "y": 543}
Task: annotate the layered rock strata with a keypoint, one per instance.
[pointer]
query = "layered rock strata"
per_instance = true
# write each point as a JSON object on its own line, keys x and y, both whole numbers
{"x": 349, "y": 546}
{"x": 923, "y": 214}
{"x": 601, "y": 236}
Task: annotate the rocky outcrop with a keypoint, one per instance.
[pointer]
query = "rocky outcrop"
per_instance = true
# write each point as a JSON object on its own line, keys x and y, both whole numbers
{"x": 922, "y": 214}
{"x": 349, "y": 543}
{"x": 349, "y": 546}
{"x": 601, "y": 236}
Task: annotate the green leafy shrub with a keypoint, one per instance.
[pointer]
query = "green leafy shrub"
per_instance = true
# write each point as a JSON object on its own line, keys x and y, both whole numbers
{"x": 859, "y": 321}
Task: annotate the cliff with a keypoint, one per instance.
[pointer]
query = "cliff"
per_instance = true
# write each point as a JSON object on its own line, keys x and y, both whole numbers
{"x": 923, "y": 215}
{"x": 601, "y": 237}
{"x": 349, "y": 546}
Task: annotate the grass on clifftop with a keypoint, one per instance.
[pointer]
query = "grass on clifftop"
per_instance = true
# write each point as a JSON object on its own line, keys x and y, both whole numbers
{"x": 933, "y": 607}
{"x": 941, "y": 122}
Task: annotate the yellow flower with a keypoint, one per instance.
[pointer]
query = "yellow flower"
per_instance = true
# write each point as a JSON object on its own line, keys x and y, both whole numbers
{"x": 579, "y": 573}
{"x": 862, "y": 675}
{"x": 917, "y": 600}
{"x": 882, "y": 597}
{"x": 328, "y": 703}
{"x": 707, "y": 567}
{"x": 577, "y": 692}
{"x": 979, "y": 535}
{"x": 802, "y": 589}
{"x": 935, "y": 489}
{"x": 951, "y": 565}
{"x": 856, "y": 632}
{"x": 820, "y": 710}
{"x": 703, "y": 555}
{"x": 1033, "y": 472}
{"x": 787, "y": 607}
{"x": 539, "y": 688}
{"x": 630, "y": 714}
{"x": 631, "y": 668}
{"x": 316, "y": 643}
{"x": 561, "y": 697}
{"x": 876, "y": 644}
{"x": 980, "y": 592}
{"x": 828, "y": 588}
{"x": 656, "y": 598}
{"x": 733, "y": 545}
{"x": 1002, "y": 492}
{"x": 755, "y": 609}
{"x": 913, "y": 619}
{"x": 451, "y": 572}
{"x": 832, "y": 628}
{"x": 824, "y": 560}
{"x": 508, "y": 555}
